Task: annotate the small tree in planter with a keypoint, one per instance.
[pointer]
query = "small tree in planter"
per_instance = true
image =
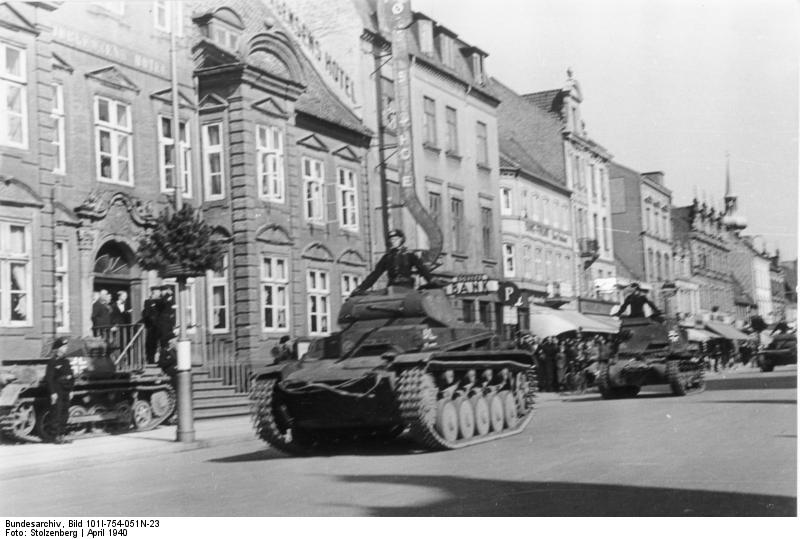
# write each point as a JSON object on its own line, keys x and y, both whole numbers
{"x": 180, "y": 245}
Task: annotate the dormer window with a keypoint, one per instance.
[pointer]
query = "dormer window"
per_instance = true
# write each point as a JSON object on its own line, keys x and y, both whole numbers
{"x": 477, "y": 67}
{"x": 223, "y": 27}
{"x": 448, "y": 50}
{"x": 425, "y": 29}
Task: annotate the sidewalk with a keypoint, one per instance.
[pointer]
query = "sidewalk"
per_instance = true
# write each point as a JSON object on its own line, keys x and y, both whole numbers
{"x": 22, "y": 460}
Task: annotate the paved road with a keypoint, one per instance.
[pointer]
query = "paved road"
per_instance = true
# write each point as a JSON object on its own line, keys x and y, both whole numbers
{"x": 731, "y": 450}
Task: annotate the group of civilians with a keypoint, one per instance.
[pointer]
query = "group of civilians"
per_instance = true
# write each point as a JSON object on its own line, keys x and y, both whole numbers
{"x": 558, "y": 357}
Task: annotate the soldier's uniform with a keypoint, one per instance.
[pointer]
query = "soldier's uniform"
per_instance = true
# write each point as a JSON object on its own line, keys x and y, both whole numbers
{"x": 398, "y": 263}
{"x": 60, "y": 381}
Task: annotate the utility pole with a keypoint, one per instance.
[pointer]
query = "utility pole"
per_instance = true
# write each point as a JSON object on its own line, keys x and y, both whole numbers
{"x": 185, "y": 430}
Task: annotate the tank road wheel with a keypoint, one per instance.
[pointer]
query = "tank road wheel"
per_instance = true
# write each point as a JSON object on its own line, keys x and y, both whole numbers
{"x": 675, "y": 378}
{"x": 482, "y": 421}
{"x": 124, "y": 418}
{"x": 163, "y": 403}
{"x": 142, "y": 415}
{"x": 497, "y": 415}
{"x": 466, "y": 418}
{"x": 98, "y": 409}
{"x": 447, "y": 420}
{"x": 45, "y": 428}
{"x": 21, "y": 423}
{"x": 77, "y": 411}
{"x": 271, "y": 423}
{"x": 510, "y": 416}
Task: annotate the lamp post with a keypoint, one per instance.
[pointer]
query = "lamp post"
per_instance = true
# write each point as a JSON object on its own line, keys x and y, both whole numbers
{"x": 185, "y": 430}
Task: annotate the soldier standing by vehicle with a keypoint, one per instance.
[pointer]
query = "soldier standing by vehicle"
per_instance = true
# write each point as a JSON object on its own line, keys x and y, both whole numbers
{"x": 60, "y": 381}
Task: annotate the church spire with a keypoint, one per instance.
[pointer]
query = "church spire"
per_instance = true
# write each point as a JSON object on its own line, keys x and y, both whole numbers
{"x": 732, "y": 219}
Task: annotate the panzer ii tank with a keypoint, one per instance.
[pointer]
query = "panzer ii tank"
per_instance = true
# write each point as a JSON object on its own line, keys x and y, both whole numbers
{"x": 401, "y": 361}
{"x": 649, "y": 352}
{"x": 103, "y": 399}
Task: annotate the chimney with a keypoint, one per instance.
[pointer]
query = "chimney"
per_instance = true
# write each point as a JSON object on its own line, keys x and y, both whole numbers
{"x": 657, "y": 177}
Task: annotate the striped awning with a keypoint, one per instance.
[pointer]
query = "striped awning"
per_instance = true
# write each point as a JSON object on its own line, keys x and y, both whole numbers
{"x": 729, "y": 332}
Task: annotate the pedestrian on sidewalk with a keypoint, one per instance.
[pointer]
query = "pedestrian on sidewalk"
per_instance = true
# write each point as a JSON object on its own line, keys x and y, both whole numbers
{"x": 60, "y": 381}
{"x": 150, "y": 312}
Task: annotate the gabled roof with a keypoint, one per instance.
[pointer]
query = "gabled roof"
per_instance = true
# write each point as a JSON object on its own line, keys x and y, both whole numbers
{"x": 547, "y": 100}
{"x": 528, "y": 136}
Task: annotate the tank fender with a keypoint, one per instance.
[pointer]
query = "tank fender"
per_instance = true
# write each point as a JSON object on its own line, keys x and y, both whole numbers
{"x": 10, "y": 392}
{"x": 278, "y": 370}
{"x": 404, "y": 360}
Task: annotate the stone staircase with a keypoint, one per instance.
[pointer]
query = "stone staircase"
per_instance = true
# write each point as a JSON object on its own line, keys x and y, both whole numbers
{"x": 211, "y": 398}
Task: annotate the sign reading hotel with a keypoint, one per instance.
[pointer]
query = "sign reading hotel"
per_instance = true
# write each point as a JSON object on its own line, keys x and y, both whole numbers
{"x": 470, "y": 284}
{"x": 339, "y": 80}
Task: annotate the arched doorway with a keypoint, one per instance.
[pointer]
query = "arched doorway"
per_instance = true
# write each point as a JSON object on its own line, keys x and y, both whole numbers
{"x": 115, "y": 270}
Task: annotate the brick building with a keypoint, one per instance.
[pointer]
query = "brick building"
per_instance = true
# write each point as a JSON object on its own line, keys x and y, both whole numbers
{"x": 271, "y": 155}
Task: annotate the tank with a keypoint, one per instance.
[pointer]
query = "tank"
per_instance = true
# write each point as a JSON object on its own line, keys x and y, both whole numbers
{"x": 650, "y": 352}
{"x": 104, "y": 399}
{"x": 400, "y": 362}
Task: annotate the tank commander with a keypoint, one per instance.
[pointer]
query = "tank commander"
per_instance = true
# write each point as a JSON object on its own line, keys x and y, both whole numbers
{"x": 398, "y": 263}
{"x": 60, "y": 381}
{"x": 636, "y": 301}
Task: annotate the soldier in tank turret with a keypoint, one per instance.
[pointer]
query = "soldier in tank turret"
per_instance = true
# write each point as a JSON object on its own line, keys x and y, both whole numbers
{"x": 398, "y": 263}
{"x": 636, "y": 301}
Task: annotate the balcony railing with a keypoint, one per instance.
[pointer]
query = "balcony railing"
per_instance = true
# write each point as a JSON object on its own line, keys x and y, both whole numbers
{"x": 589, "y": 247}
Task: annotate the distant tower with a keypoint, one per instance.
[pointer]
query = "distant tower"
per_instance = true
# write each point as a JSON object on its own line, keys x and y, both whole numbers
{"x": 732, "y": 220}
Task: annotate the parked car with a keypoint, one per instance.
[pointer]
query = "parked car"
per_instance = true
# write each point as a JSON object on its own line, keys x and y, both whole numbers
{"x": 781, "y": 351}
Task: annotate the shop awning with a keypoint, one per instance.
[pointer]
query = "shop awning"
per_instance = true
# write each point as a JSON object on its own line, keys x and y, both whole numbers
{"x": 700, "y": 335}
{"x": 729, "y": 332}
{"x": 552, "y": 322}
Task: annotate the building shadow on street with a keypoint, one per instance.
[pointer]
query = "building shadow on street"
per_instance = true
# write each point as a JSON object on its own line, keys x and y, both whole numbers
{"x": 753, "y": 401}
{"x": 753, "y": 381}
{"x": 462, "y": 497}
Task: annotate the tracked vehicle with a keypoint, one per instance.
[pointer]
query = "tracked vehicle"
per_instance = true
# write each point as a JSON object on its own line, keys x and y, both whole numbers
{"x": 104, "y": 399}
{"x": 401, "y": 361}
{"x": 649, "y": 352}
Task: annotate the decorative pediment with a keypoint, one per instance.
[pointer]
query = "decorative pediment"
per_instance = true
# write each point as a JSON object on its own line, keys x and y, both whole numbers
{"x": 60, "y": 63}
{"x": 351, "y": 257}
{"x": 272, "y": 107}
{"x": 11, "y": 18}
{"x": 274, "y": 53}
{"x": 212, "y": 103}
{"x": 14, "y": 192}
{"x": 165, "y": 96}
{"x": 207, "y": 54}
{"x": 317, "y": 251}
{"x": 274, "y": 234}
{"x": 346, "y": 152}
{"x": 65, "y": 216}
{"x": 112, "y": 76}
{"x": 220, "y": 233}
{"x": 98, "y": 203}
{"x": 313, "y": 142}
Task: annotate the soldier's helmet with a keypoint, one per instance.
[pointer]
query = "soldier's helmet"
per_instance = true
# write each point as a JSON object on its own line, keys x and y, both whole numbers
{"x": 397, "y": 233}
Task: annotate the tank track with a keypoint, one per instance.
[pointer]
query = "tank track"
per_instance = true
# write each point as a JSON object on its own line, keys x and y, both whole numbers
{"x": 423, "y": 407}
{"x": 685, "y": 376}
{"x": 266, "y": 422}
{"x": 22, "y": 423}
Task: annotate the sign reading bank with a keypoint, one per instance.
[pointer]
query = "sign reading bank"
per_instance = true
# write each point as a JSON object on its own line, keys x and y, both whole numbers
{"x": 316, "y": 27}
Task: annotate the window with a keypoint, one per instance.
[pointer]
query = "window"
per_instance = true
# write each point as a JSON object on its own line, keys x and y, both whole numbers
{"x": 113, "y": 141}
{"x": 477, "y": 67}
{"x": 508, "y": 259}
{"x": 15, "y": 274}
{"x": 483, "y": 313}
{"x": 603, "y": 184}
{"x": 318, "y": 302}
{"x": 58, "y": 128}
{"x": 190, "y": 308}
{"x": 448, "y": 50}
{"x": 606, "y": 244}
{"x": 565, "y": 221}
{"x": 538, "y": 207}
{"x": 13, "y": 97}
{"x": 592, "y": 181}
{"x": 595, "y": 230}
{"x": 269, "y": 152}
{"x": 218, "y": 294}
{"x": 166, "y": 156}
{"x": 546, "y": 211}
{"x": 468, "y": 310}
{"x": 349, "y": 283}
{"x": 457, "y": 219}
{"x": 274, "y": 293}
{"x": 486, "y": 232}
{"x": 647, "y": 220}
{"x": 482, "y": 142}
{"x": 348, "y": 199}
{"x": 61, "y": 286}
{"x": 425, "y": 29}
{"x": 452, "y": 129}
{"x": 223, "y": 35}
{"x": 548, "y": 265}
{"x": 505, "y": 201}
{"x": 526, "y": 261}
{"x": 213, "y": 161}
{"x": 313, "y": 178}
{"x": 650, "y": 269}
{"x": 163, "y": 17}
{"x": 429, "y": 121}
{"x": 435, "y": 206}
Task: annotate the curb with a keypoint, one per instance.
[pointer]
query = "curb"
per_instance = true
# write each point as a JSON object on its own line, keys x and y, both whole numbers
{"x": 168, "y": 447}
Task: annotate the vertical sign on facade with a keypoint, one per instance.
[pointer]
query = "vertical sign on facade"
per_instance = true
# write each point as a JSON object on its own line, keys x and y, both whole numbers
{"x": 396, "y": 16}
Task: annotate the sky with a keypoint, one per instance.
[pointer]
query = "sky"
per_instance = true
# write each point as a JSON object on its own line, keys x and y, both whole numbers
{"x": 669, "y": 85}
